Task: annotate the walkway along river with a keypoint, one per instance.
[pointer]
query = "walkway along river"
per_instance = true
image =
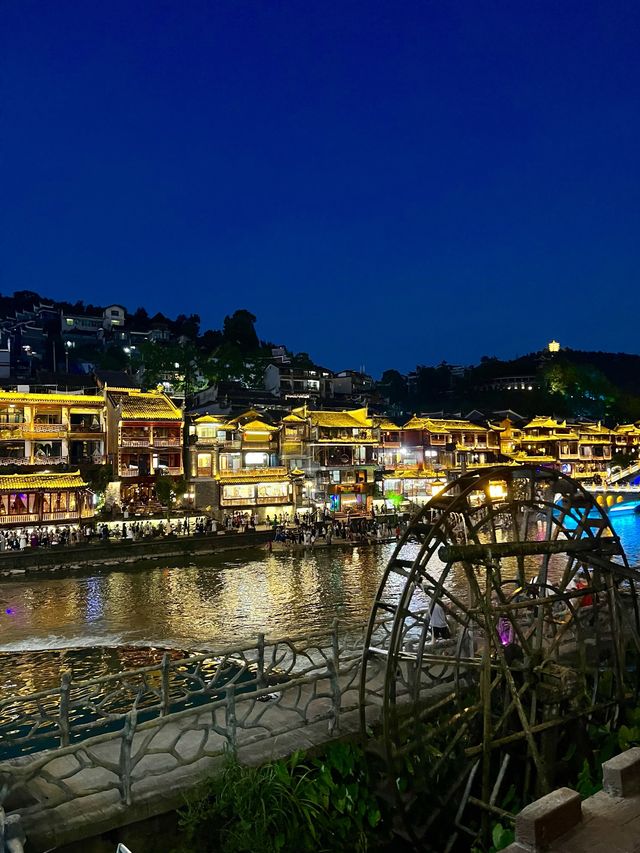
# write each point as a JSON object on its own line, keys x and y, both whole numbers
{"x": 217, "y": 600}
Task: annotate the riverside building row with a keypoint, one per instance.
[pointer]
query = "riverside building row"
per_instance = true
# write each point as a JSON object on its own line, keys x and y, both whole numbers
{"x": 54, "y": 445}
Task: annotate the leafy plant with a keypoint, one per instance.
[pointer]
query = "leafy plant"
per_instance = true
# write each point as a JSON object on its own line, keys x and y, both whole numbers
{"x": 294, "y": 804}
{"x": 587, "y": 785}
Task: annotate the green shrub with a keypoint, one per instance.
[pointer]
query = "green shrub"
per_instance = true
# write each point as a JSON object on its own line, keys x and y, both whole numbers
{"x": 295, "y": 804}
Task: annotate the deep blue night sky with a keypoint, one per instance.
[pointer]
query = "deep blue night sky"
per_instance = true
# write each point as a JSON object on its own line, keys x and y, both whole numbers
{"x": 381, "y": 183}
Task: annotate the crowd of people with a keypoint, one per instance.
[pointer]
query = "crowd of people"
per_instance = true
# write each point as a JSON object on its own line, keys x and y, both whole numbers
{"x": 305, "y": 530}
{"x": 20, "y": 539}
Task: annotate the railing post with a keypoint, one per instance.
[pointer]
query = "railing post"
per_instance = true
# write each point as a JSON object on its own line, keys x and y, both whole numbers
{"x": 125, "y": 756}
{"x": 335, "y": 645}
{"x": 333, "y": 666}
{"x": 260, "y": 673}
{"x": 336, "y": 695}
{"x": 63, "y": 718}
{"x": 231, "y": 723}
{"x": 165, "y": 699}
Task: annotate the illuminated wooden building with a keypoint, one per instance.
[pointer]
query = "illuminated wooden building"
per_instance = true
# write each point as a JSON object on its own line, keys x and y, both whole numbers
{"x": 234, "y": 466}
{"x": 51, "y": 429}
{"x": 42, "y": 498}
{"x": 338, "y": 453}
{"x": 626, "y": 439}
{"x": 144, "y": 439}
{"x": 581, "y": 450}
{"x": 447, "y": 443}
{"x": 390, "y": 453}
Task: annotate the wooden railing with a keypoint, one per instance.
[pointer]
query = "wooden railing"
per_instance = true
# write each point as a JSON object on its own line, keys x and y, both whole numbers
{"x": 63, "y": 515}
{"x": 86, "y": 429}
{"x": 276, "y": 471}
{"x": 24, "y": 518}
{"x": 125, "y": 471}
{"x": 46, "y": 428}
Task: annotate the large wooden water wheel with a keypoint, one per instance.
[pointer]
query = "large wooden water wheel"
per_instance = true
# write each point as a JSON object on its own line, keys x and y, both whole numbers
{"x": 541, "y": 641}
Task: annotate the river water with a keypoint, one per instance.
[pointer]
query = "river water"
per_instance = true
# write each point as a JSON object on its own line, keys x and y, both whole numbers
{"x": 221, "y": 600}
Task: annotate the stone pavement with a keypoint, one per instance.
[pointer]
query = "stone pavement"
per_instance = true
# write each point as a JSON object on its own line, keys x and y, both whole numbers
{"x": 607, "y": 822}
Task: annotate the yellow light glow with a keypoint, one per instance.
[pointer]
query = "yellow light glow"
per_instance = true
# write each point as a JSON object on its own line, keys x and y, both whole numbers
{"x": 497, "y": 491}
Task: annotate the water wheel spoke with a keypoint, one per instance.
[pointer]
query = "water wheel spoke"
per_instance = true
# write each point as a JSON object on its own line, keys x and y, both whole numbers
{"x": 500, "y": 553}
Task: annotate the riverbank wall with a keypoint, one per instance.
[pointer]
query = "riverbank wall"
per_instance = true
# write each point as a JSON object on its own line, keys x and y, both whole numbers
{"x": 115, "y": 553}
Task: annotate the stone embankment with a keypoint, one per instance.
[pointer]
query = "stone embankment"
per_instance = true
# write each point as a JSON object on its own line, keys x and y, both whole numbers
{"x": 115, "y": 553}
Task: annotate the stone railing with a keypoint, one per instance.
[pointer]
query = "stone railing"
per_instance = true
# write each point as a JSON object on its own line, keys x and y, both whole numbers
{"x": 561, "y": 822}
{"x": 118, "y": 739}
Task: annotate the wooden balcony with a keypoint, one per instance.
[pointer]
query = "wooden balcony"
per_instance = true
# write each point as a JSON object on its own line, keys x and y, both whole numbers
{"x": 12, "y": 431}
{"x": 23, "y": 518}
{"x": 37, "y": 429}
{"x": 166, "y": 442}
{"x": 125, "y": 471}
{"x": 15, "y": 460}
{"x": 256, "y": 473}
{"x": 134, "y": 442}
{"x": 80, "y": 429}
{"x": 60, "y": 515}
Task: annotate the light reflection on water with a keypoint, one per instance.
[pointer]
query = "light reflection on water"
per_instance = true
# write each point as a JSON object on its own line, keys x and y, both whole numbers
{"x": 225, "y": 600}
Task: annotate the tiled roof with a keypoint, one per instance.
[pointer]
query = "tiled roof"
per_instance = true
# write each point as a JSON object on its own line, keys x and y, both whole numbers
{"x": 568, "y": 436}
{"x": 208, "y": 419}
{"x": 546, "y": 422}
{"x": 409, "y": 474}
{"x": 594, "y": 429}
{"x": 148, "y": 405}
{"x": 71, "y": 399}
{"x": 258, "y": 426}
{"x": 354, "y": 419}
{"x": 523, "y": 457}
{"x": 249, "y": 415}
{"x": 441, "y": 425}
{"x": 34, "y": 482}
{"x": 628, "y": 429}
{"x": 386, "y": 424}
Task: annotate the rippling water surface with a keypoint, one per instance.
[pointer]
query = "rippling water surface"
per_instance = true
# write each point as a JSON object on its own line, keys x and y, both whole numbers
{"x": 222, "y": 600}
